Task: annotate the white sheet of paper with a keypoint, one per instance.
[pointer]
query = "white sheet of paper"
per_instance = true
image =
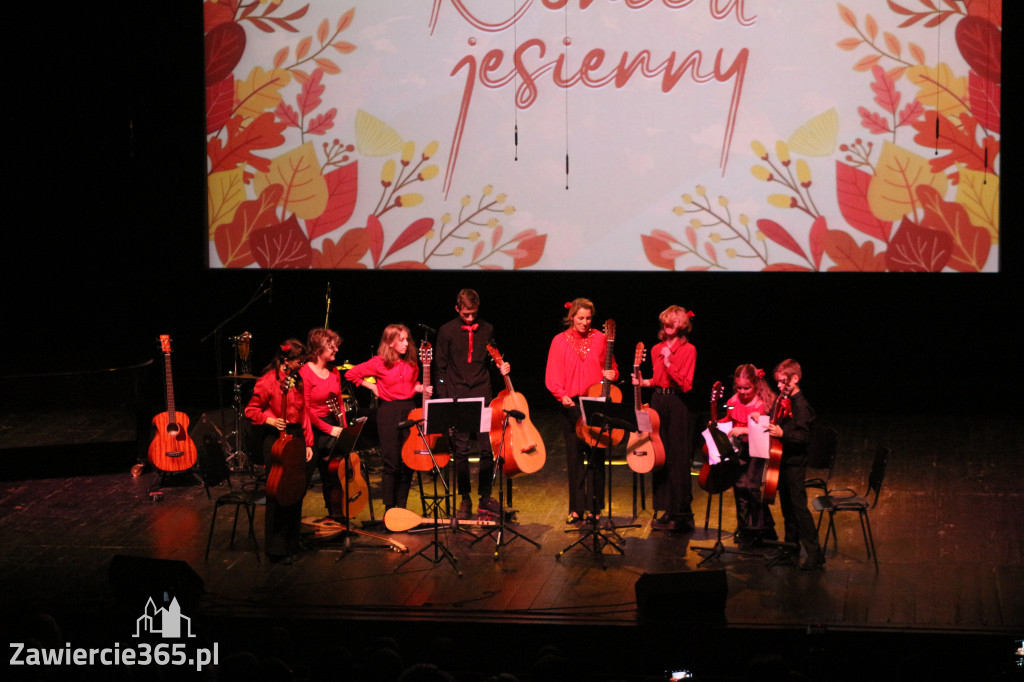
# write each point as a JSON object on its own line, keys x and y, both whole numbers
{"x": 714, "y": 457}
{"x": 643, "y": 421}
{"x": 758, "y": 438}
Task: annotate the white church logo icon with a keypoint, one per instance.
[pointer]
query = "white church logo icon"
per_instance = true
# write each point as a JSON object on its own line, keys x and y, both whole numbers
{"x": 167, "y": 622}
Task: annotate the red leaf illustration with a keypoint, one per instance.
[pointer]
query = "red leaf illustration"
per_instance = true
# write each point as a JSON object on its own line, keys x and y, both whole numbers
{"x": 785, "y": 267}
{"x": 352, "y": 246}
{"x": 281, "y": 246}
{"x": 322, "y": 123}
{"x": 918, "y": 249}
{"x": 312, "y": 90}
{"x": 778, "y": 234}
{"x": 407, "y": 265}
{"x": 874, "y": 123}
{"x": 496, "y": 236}
{"x": 884, "y": 87}
{"x": 852, "y": 194}
{"x": 534, "y": 248}
{"x": 848, "y": 256}
{"x": 342, "y": 189}
{"x": 220, "y": 101}
{"x": 263, "y": 133}
{"x": 287, "y": 114}
{"x": 654, "y": 248}
{"x": 223, "y": 46}
{"x": 376, "y": 232}
{"x": 215, "y": 14}
{"x": 911, "y": 113}
{"x": 817, "y": 239}
{"x": 981, "y": 45}
{"x": 959, "y": 140}
{"x": 412, "y": 233}
{"x": 478, "y": 250}
{"x": 985, "y": 98}
{"x": 525, "y": 234}
{"x": 970, "y": 245}
{"x": 232, "y": 239}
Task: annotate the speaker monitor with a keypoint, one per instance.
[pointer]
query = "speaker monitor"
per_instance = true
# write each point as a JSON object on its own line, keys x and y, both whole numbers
{"x": 690, "y": 596}
{"x": 213, "y": 467}
{"x": 135, "y": 579}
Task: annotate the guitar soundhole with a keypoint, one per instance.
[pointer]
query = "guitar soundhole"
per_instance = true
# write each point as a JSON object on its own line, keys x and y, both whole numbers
{"x": 177, "y": 453}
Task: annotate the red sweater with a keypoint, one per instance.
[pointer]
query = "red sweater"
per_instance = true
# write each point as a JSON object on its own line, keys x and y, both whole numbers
{"x": 316, "y": 391}
{"x": 394, "y": 383}
{"x": 266, "y": 404}
{"x": 569, "y": 375}
{"x": 679, "y": 373}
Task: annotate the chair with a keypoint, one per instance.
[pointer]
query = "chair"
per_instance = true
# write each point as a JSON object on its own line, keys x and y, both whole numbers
{"x": 847, "y": 500}
{"x": 247, "y": 499}
{"x": 821, "y": 456}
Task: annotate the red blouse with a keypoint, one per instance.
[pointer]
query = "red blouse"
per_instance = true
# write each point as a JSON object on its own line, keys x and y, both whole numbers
{"x": 679, "y": 373}
{"x": 394, "y": 383}
{"x": 575, "y": 363}
{"x": 316, "y": 392}
{"x": 266, "y": 401}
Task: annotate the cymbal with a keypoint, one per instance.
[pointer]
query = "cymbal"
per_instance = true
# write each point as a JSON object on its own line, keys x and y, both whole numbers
{"x": 239, "y": 377}
{"x": 345, "y": 366}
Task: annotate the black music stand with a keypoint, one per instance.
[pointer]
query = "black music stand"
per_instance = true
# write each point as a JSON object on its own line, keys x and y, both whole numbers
{"x": 729, "y": 473}
{"x": 499, "y": 479}
{"x": 608, "y": 416}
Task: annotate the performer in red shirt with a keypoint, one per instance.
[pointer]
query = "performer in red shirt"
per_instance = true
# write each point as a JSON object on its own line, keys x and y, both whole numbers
{"x": 270, "y": 414}
{"x": 397, "y": 381}
{"x": 320, "y": 381}
{"x": 673, "y": 360}
{"x": 576, "y": 361}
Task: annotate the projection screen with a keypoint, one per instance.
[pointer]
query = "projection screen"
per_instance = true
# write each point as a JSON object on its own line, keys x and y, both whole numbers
{"x": 714, "y": 135}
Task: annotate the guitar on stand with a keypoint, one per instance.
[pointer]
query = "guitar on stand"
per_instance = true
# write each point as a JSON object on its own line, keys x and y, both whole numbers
{"x": 171, "y": 450}
{"x": 594, "y": 436}
{"x": 644, "y": 451}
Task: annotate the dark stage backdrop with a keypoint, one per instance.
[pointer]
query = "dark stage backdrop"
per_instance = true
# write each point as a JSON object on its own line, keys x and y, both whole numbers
{"x": 117, "y": 255}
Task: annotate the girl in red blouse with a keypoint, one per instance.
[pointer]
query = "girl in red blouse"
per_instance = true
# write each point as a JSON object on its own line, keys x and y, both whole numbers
{"x": 397, "y": 382}
{"x": 753, "y": 396}
{"x": 576, "y": 361}
{"x": 673, "y": 360}
{"x": 320, "y": 381}
{"x": 271, "y": 411}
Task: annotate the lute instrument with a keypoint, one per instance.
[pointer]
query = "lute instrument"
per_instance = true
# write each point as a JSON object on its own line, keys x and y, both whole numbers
{"x": 286, "y": 480}
{"x": 594, "y": 436}
{"x": 524, "y": 451}
{"x": 644, "y": 451}
{"x": 415, "y": 456}
{"x": 171, "y": 449}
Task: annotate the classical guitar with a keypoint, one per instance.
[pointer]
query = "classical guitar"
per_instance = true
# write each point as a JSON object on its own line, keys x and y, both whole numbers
{"x": 644, "y": 452}
{"x": 593, "y": 435}
{"x": 415, "y": 456}
{"x": 286, "y": 480}
{"x": 353, "y": 495}
{"x": 524, "y": 451}
{"x": 172, "y": 449}
{"x": 770, "y": 480}
{"x": 716, "y": 478}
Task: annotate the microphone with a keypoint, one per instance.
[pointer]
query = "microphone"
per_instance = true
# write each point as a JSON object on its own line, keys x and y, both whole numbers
{"x": 515, "y": 414}
{"x": 427, "y": 329}
{"x": 408, "y": 424}
{"x": 270, "y": 295}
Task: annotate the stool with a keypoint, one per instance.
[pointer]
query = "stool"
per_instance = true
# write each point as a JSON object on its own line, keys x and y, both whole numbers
{"x": 239, "y": 499}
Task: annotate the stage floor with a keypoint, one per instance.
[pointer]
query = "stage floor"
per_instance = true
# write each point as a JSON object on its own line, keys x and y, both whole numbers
{"x": 946, "y": 529}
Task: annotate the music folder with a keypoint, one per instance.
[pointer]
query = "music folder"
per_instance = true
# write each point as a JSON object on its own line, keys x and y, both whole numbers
{"x": 346, "y": 442}
{"x": 597, "y": 411}
{"x": 466, "y": 415}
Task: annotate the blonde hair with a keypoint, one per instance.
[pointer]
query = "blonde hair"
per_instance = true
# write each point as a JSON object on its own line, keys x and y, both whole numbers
{"x": 676, "y": 312}
{"x": 319, "y": 339}
{"x": 574, "y": 307}
{"x": 755, "y": 377}
{"x": 388, "y": 354}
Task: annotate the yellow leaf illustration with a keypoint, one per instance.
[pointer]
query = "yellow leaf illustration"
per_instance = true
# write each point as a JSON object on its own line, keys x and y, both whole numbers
{"x": 374, "y": 137}
{"x": 891, "y": 191}
{"x": 225, "y": 191}
{"x": 939, "y": 89}
{"x": 978, "y": 192}
{"x": 818, "y": 136}
{"x": 298, "y": 171}
{"x": 261, "y": 91}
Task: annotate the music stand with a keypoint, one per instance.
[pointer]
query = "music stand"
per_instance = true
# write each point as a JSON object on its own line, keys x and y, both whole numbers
{"x": 608, "y": 416}
{"x": 499, "y": 478}
{"x": 727, "y": 473}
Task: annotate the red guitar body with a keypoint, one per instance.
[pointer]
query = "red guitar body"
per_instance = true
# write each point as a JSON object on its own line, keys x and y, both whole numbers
{"x": 770, "y": 482}
{"x": 414, "y": 454}
{"x": 286, "y": 480}
{"x": 594, "y": 436}
{"x": 645, "y": 451}
{"x": 524, "y": 451}
{"x": 171, "y": 449}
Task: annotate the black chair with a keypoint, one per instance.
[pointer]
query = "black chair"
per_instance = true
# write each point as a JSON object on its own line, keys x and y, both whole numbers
{"x": 821, "y": 456}
{"x": 246, "y": 499}
{"x": 847, "y": 500}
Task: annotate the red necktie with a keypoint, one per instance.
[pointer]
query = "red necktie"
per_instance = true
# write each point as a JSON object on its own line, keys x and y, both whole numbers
{"x": 470, "y": 328}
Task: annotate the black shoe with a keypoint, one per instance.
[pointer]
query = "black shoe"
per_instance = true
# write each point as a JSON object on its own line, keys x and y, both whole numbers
{"x": 684, "y": 524}
{"x": 811, "y": 564}
{"x": 664, "y": 524}
{"x": 465, "y": 509}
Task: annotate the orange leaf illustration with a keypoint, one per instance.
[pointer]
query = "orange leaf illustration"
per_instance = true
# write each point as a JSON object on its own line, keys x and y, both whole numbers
{"x": 352, "y": 246}
{"x": 654, "y": 249}
{"x": 848, "y": 256}
{"x": 970, "y": 244}
{"x": 899, "y": 171}
{"x": 342, "y": 187}
{"x": 232, "y": 239}
{"x": 917, "y": 249}
{"x": 281, "y": 246}
{"x": 533, "y": 248}
{"x": 305, "y": 189}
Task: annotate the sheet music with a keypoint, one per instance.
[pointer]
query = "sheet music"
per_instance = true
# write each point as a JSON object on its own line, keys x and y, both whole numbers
{"x": 714, "y": 457}
{"x": 643, "y": 422}
{"x": 758, "y": 437}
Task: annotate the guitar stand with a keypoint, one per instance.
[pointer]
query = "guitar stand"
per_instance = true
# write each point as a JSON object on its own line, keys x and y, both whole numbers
{"x": 789, "y": 553}
{"x": 716, "y": 551}
{"x": 160, "y": 477}
{"x": 499, "y": 480}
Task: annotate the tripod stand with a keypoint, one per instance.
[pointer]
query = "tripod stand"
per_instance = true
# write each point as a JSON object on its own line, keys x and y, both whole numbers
{"x": 607, "y": 415}
{"x": 499, "y": 478}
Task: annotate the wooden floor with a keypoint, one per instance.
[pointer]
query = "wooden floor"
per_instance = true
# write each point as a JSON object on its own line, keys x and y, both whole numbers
{"x": 947, "y": 528}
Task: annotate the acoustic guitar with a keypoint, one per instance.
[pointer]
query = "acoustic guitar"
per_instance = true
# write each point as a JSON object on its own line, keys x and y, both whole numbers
{"x": 415, "y": 456}
{"x": 352, "y": 496}
{"x": 770, "y": 480}
{"x": 717, "y": 478}
{"x": 524, "y": 451}
{"x": 172, "y": 449}
{"x": 644, "y": 451}
{"x": 594, "y": 436}
{"x": 286, "y": 480}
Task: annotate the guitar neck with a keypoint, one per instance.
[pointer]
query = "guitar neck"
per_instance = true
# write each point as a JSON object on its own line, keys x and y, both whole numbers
{"x": 169, "y": 382}
{"x": 609, "y": 358}
{"x": 636, "y": 388}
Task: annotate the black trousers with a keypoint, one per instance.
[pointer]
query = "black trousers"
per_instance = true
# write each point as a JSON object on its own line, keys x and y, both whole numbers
{"x": 797, "y": 518}
{"x": 672, "y": 485}
{"x": 396, "y": 478}
{"x": 586, "y": 483}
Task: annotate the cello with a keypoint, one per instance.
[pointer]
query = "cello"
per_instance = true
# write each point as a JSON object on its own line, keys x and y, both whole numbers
{"x": 717, "y": 478}
{"x": 522, "y": 440}
{"x": 286, "y": 481}
{"x": 593, "y": 435}
{"x": 644, "y": 452}
{"x": 413, "y": 454}
{"x": 171, "y": 449}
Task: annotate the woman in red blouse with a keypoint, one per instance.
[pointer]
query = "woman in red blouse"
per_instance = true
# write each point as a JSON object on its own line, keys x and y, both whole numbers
{"x": 321, "y": 380}
{"x": 673, "y": 360}
{"x": 576, "y": 361}
{"x": 271, "y": 412}
{"x": 397, "y": 382}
